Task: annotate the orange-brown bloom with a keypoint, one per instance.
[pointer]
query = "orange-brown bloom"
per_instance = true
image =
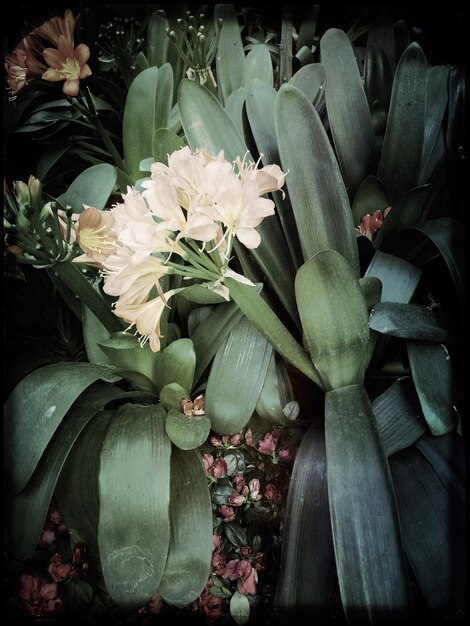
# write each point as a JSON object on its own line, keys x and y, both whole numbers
{"x": 67, "y": 64}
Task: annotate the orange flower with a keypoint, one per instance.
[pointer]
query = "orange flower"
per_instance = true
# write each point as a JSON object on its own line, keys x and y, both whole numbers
{"x": 57, "y": 27}
{"x": 68, "y": 65}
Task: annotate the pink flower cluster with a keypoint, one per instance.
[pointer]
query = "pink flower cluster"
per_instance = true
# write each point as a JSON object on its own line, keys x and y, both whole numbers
{"x": 371, "y": 224}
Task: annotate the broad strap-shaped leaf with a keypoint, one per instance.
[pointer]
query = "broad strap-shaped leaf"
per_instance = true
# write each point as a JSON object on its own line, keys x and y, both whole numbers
{"x": 189, "y": 556}
{"x": 348, "y": 111}
{"x": 165, "y": 142}
{"x": 307, "y": 571}
{"x": 381, "y": 35}
{"x": 433, "y": 375}
{"x": 370, "y": 196}
{"x": 260, "y": 101}
{"x": 234, "y": 107}
{"x": 276, "y": 401}
{"x": 408, "y": 210}
{"x": 207, "y": 125}
{"x": 410, "y": 321}
{"x": 370, "y": 563}
{"x": 269, "y": 325}
{"x": 310, "y": 79}
{"x": 257, "y": 65}
{"x": 377, "y": 86}
{"x": 400, "y": 159}
{"x": 399, "y": 417}
{"x": 398, "y": 277}
{"x": 93, "y": 332}
{"x": 186, "y": 431}
{"x": 93, "y": 187}
{"x": 177, "y": 364}
{"x": 147, "y": 108}
{"x": 316, "y": 188}
{"x": 334, "y": 317}
{"x": 236, "y": 377}
{"x": 230, "y": 58}
{"x": 212, "y": 332}
{"x": 434, "y": 534}
{"x": 134, "y": 488}
{"x": 28, "y": 510}
{"x": 34, "y": 410}
{"x": 437, "y": 77}
{"x": 77, "y": 488}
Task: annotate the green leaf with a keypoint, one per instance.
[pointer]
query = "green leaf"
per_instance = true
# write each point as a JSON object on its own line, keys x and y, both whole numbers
{"x": 276, "y": 400}
{"x": 147, "y": 108}
{"x": 381, "y": 36}
{"x": 158, "y": 41}
{"x": 398, "y": 277}
{"x": 307, "y": 569}
{"x": 316, "y": 189}
{"x": 211, "y": 333}
{"x": 236, "y": 534}
{"x": 165, "y": 142}
{"x": 370, "y": 563}
{"x": 399, "y": 417}
{"x": 370, "y": 196}
{"x": 177, "y": 364}
{"x": 200, "y": 294}
{"x": 134, "y": 488}
{"x": 140, "y": 63}
{"x": 257, "y": 65}
{"x": 403, "y": 141}
{"x": 34, "y": 410}
{"x": 77, "y": 487}
{"x": 234, "y": 107}
{"x": 437, "y": 78}
{"x": 433, "y": 375}
{"x": 189, "y": 556}
{"x": 406, "y": 211}
{"x": 434, "y": 534}
{"x": 348, "y": 111}
{"x": 126, "y": 353}
{"x": 171, "y": 396}
{"x": 334, "y": 318}
{"x": 93, "y": 187}
{"x": 230, "y": 58}
{"x": 236, "y": 378}
{"x": 409, "y": 321}
{"x": 239, "y": 608}
{"x": 27, "y": 511}
{"x": 93, "y": 333}
{"x": 269, "y": 325}
{"x": 187, "y": 431}
{"x": 310, "y": 80}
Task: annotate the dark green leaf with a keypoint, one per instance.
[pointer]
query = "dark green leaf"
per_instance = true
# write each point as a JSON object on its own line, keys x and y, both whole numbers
{"x": 407, "y": 210}
{"x": 177, "y": 364}
{"x": 230, "y": 58}
{"x": 409, "y": 321}
{"x": 370, "y": 196}
{"x": 34, "y": 410}
{"x": 187, "y": 431}
{"x": 134, "y": 487}
{"x": 398, "y": 277}
{"x": 370, "y": 563}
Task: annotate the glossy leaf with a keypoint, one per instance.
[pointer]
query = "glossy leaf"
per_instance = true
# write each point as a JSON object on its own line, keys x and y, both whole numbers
{"x": 276, "y": 400}
{"x": 189, "y": 556}
{"x": 93, "y": 333}
{"x": 307, "y": 568}
{"x": 399, "y": 417}
{"x": 236, "y": 378}
{"x": 230, "y": 58}
{"x": 234, "y": 107}
{"x": 171, "y": 396}
{"x": 316, "y": 189}
{"x": 27, "y": 511}
{"x": 239, "y": 608}
{"x": 371, "y": 566}
{"x": 269, "y": 325}
{"x": 370, "y": 196}
{"x": 134, "y": 473}
{"x": 403, "y": 141}
{"x": 165, "y": 142}
{"x": 410, "y": 321}
{"x": 34, "y": 410}
{"x": 177, "y": 364}
{"x": 436, "y": 556}
{"x": 93, "y": 187}
{"x": 310, "y": 79}
{"x": 187, "y": 431}
{"x": 377, "y": 86}
{"x": 257, "y": 65}
{"x": 348, "y": 111}
{"x": 398, "y": 277}
{"x": 408, "y": 210}
{"x": 334, "y": 318}
{"x": 432, "y": 371}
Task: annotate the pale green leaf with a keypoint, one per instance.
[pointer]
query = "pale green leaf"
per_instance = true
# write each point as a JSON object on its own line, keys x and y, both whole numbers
{"x": 230, "y": 58}
{"x": 257, "y": 65}
{"x": 92, "y": 187}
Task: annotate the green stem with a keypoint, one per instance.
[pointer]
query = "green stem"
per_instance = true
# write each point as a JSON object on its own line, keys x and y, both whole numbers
{"x": 71, "y": 274}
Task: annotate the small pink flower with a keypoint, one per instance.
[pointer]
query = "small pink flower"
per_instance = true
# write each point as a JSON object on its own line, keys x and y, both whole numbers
{"x": 236, "y": 439}
{"x": 371, "y": 224}
{"x": 227, "y": 512}
{"x": 258, "y": 561}
{"x": 55, "y": 516}
{"x": 230, "y": 572}
{"x": 236, "y": 499}
{"x": 272, "y": 493}
{"x": 247, "y": 578}
{"x": 238, "y": 482}
{"x": 48, "y": 536}
{"x": 249, "y": 438}
{"x": 60, "y": 570}
{"x": 37, "y": 597}
{"x": 207, "y": 460}
{"x": 286, "y": 454}
{"x": 49, "y": 598}
{"x": 254, "y": 487}
{"x": 268, "y": 443}
{"x": 218, "y": 563}
{"x": 153, "y": 606}
{"x": 216, "y": 541}
{"x": 245, "y": 550}
{"x": 211, "y": 606}
{"x": 219, "y": 468}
